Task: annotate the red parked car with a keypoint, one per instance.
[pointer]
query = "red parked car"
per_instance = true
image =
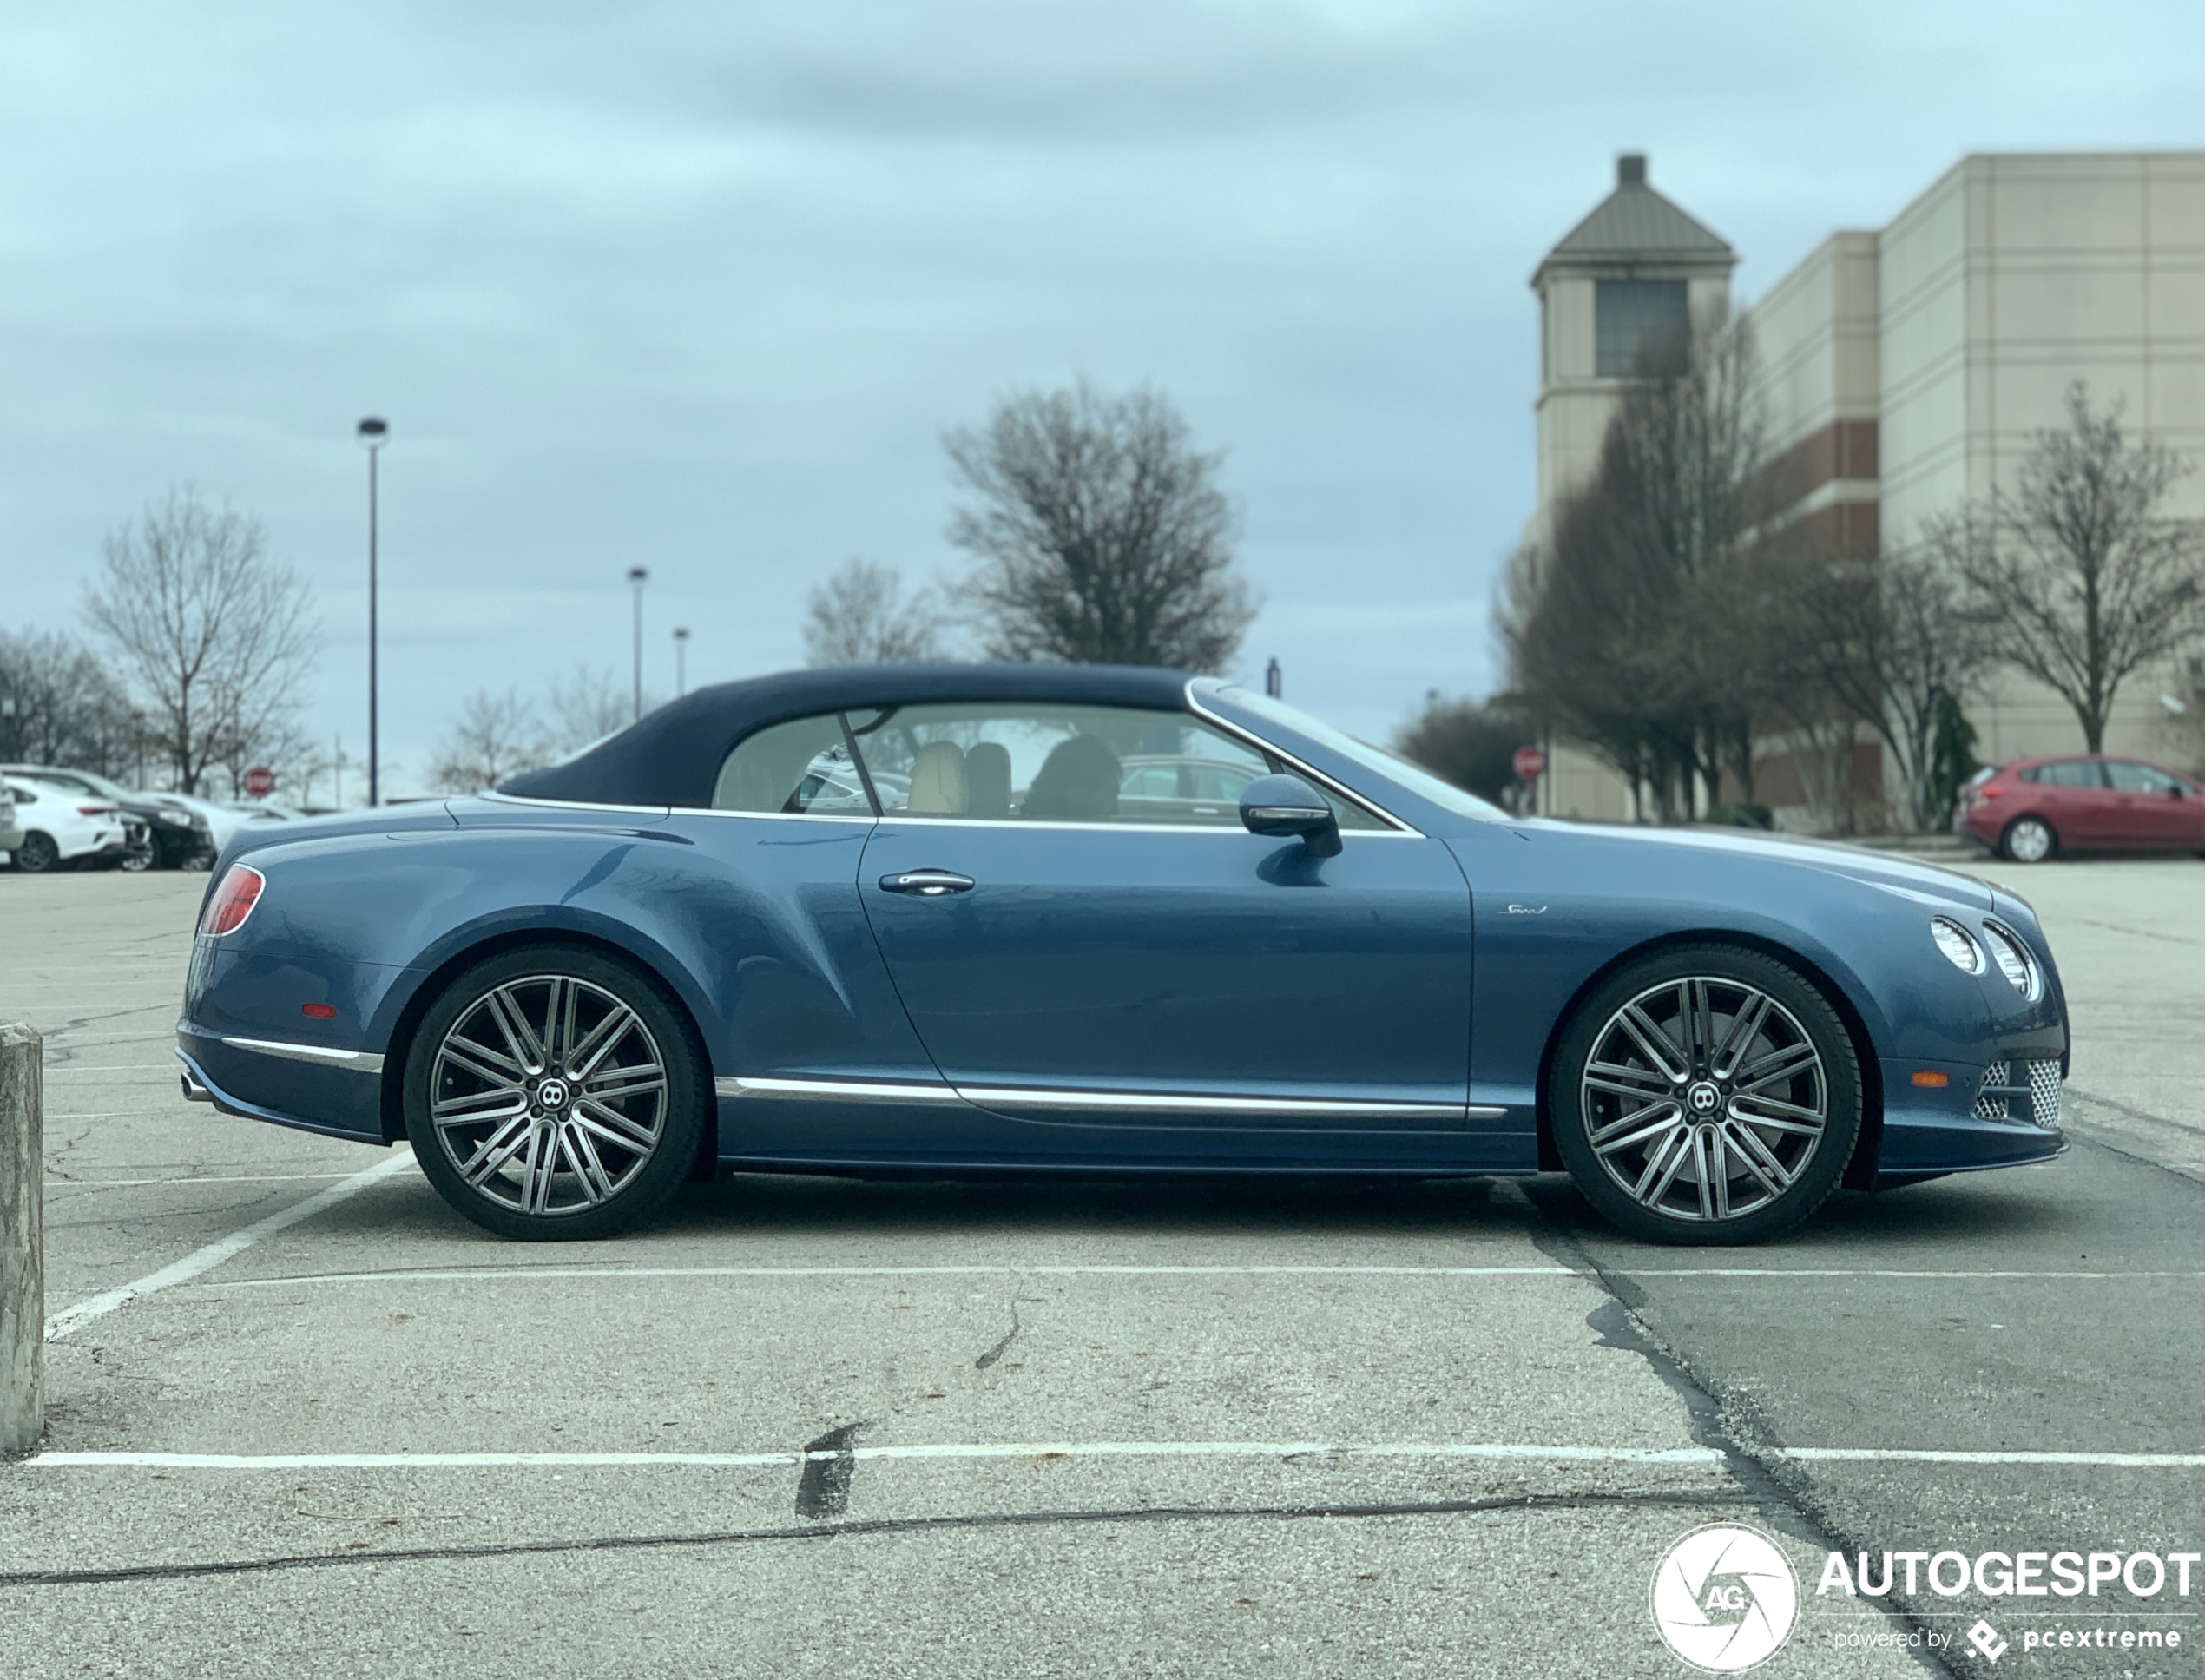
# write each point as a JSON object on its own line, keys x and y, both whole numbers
{"x": 2037, "y": 807}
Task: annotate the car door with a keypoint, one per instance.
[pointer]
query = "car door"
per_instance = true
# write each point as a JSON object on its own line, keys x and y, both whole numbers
{"x": 2152, "y": 808}
{"x": 1064, "y": 955}
{"x": 2079, "y": 803}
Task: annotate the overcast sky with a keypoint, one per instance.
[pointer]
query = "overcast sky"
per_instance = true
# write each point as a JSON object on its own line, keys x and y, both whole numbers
{"x": 698, "y": 286}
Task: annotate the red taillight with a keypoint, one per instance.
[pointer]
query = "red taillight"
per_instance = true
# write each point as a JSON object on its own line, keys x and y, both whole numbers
{"x": 1988, "y": 791}
{"x": 233, "y": 900}
{"x": 319, "y": 1011}
{"x": 96, "y": 810}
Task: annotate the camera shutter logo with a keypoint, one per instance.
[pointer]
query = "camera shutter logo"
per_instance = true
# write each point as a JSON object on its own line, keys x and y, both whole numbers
{"x": 1725, "y": 1599}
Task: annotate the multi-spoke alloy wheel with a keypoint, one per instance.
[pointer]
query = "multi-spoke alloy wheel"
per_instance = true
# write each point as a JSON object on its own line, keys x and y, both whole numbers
{"x": 551, "y": 1093}
{"x": 1712, "y": 1096}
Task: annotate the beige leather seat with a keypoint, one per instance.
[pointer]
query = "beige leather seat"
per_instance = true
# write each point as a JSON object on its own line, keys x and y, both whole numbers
{"x": 937, "y": 781}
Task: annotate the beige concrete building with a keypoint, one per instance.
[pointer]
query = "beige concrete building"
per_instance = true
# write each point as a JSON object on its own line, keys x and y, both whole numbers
{"x": 1907, "y": 370}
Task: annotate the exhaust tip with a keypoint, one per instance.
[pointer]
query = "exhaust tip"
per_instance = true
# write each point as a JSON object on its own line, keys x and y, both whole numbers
{"x": 195, "y": 1091}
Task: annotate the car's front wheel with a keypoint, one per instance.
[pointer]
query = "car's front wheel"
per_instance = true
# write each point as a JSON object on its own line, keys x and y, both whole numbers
{"x": 1707, "y": 1094}
{"x": 2029, "y": 840}
{"x": 553, "y": 1092}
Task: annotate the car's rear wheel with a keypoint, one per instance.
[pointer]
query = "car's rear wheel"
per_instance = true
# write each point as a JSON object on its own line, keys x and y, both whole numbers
{"x": 1707, "y": 1094}
{"x": 37, "y": 854}
{"x": 2029, "y": 840}
{"x": 553, "y": 1092}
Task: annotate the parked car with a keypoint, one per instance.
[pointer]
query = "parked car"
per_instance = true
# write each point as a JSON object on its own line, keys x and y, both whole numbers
{"x": 222, "y": 820}
{"x": 173, "y": 837}
{"x": 62, "y": 825}
{"x": 703, "y": 945}
{"x": 11, "y": 830}
{"x": 2035, "y": 808}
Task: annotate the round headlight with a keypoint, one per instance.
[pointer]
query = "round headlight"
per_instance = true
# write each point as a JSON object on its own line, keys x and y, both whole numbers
{"x": 2014, "y": 960}
{"x": 1957, "y": 944}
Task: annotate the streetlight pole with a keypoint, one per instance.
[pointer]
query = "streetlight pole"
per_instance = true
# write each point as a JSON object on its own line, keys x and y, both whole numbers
{"x": 681, "y": 661}
{"x": 639, "y": 575}
{"x": 372, "y": 432}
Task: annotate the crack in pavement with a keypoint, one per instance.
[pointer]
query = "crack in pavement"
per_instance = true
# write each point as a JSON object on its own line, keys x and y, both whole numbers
{"x": 1717, "y": 1416}
{"x": 995, "y": 1352}
{"x": 884, "y": 1526}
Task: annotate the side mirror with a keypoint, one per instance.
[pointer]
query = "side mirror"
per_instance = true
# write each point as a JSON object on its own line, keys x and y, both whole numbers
{"x": 1284, "y": 807}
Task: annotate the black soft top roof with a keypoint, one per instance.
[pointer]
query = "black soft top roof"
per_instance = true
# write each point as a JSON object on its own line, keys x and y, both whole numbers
{"x": 673, "y": 756}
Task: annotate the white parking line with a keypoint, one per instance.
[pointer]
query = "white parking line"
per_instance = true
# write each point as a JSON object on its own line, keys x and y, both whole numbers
{"x": 534, "y": 1272}
{"x": 1907, "y": 1455}
{"x": 953, "y": 1450}
{"x": 205, "y": 1260}
{"x": 1511, "y": 1451}
{"x": 505, "y": 1274}
{"x": 258, "y": 1178}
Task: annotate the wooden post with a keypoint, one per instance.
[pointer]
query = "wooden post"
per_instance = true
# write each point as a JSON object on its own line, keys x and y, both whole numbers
{"x": 22, "y": 1239}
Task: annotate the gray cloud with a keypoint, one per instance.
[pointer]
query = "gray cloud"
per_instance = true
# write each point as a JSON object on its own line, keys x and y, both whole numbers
{"x": 699, "y": 286}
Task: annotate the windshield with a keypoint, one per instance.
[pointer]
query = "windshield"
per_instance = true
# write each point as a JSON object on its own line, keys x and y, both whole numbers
{"x": 1417, "y": 780}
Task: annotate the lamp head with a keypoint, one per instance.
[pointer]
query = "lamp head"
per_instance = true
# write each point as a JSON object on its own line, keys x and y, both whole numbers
{"x": 638, "y": 574}
{"x": 372, "y": 432}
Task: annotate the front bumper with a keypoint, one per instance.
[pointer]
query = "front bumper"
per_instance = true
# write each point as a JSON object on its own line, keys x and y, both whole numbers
{"x": 2006, "y": 1112}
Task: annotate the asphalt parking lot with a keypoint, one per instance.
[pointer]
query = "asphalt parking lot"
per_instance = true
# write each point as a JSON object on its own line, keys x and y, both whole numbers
{"x": 304, "y": 1419}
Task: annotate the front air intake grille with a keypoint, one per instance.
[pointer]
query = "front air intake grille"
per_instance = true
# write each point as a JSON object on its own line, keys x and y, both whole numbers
{"x": 2047, "y": 1089}
{"x": 2026, "y": 1091}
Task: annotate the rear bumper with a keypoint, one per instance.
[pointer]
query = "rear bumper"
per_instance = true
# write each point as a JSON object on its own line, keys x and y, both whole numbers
{"x": 258, "y": 1081}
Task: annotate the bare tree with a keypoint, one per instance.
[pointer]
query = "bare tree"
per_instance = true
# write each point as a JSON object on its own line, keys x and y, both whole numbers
{"x": 497, "y": 736}
{"x": 588, "y": 705}
{"x": 1894, "y": 643}
{"x": 2080, "y": 569}
{"x": 860, "y": 615}
{"x": 1101, "y": 533}
{"x": 215, "y": 636}
{"x": 1469, "y": 742}
{"x": 69, "y": 709}
{"x": 1635, "y": 628}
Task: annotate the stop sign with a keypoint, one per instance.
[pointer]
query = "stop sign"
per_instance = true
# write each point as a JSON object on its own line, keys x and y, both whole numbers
{"x": 1530, "y": 764}
{"x": 259, "y": 781}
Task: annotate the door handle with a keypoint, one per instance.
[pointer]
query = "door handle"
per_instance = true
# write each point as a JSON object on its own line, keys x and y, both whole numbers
{"x": 927, "y": 883}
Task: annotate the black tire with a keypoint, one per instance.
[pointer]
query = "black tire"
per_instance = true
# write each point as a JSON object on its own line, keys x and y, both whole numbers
{"x": 37, "y": 854}
{"x": 135, "y": 861}
{"x": 513, "y": 1105}
{"x": 1629, "y": 1123}
{"x": 2029, "y": 840}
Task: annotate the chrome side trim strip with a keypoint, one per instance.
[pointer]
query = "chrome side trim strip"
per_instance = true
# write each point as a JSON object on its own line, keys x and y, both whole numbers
{"x": 835, "y": 1090}
{"x": 1145, "y": 1102}
{"x": 1485, "y": 1111}
{"x": 360, "y": 1061}
{"x": 872, "y": 1090}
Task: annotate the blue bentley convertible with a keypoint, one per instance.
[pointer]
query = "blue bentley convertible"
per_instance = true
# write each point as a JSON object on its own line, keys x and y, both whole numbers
{"x": 1050, "y": 918}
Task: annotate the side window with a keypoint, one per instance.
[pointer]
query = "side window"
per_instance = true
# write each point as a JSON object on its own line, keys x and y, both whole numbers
{"x": 2127, "y": 778}
{"x": 2073, "y": 773}
{"x": 1036, "y": 762}
{"x": 792, "y": 769}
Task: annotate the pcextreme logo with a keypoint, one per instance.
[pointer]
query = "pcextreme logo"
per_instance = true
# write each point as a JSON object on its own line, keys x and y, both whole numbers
{"x": 1725, "y": 1599}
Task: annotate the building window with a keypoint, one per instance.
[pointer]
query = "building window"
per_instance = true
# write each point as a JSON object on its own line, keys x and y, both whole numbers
{"x": 1637, "y": 324}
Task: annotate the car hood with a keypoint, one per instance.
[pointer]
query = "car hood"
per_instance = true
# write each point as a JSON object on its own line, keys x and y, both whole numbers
{"x": 1885, "y": 870}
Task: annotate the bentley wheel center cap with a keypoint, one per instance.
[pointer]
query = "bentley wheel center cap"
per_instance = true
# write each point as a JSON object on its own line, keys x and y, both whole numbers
{"x": 552, "y": 1094}
{"x": 1705, "y": 1098}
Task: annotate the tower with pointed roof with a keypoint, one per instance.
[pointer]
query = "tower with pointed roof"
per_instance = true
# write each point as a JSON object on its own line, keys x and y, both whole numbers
{"x": 1623, "y": 283}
